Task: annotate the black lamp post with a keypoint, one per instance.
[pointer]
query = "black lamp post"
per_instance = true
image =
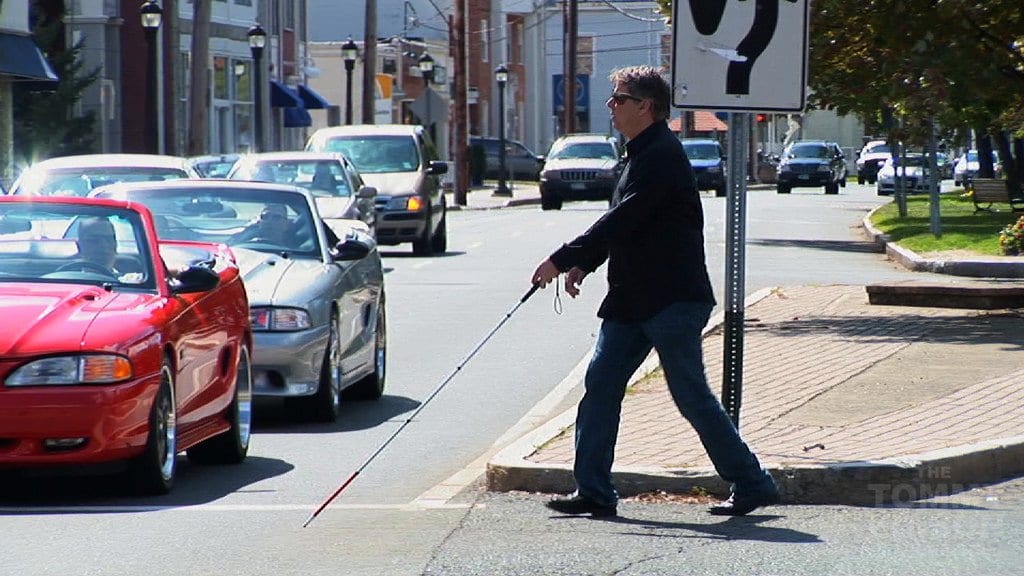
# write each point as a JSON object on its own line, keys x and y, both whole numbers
{"x": 349, "y": 52}
{"x": 151, "y": 14}
{"x": 501, "y": 77}
{"x": 257, "y": 40}
{"x": 426, "y": 64}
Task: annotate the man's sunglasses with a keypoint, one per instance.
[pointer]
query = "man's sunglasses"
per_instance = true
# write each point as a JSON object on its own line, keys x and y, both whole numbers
{"x": 620, "y": 98}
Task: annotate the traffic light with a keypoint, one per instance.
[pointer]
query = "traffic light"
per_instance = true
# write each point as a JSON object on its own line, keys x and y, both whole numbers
{"x": 762, "y": 118}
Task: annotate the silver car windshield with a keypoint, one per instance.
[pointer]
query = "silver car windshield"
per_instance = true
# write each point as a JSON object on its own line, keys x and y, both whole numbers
{"x": 378, "y": 154}
{"x": 270, "y": 221}
{"x": 80, "y": 181}
{"x": 585, "y": 151}
{"x": 320, "y": 177}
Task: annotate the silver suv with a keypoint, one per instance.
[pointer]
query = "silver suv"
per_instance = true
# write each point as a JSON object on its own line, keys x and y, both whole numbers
{"x": 400, "y": 161}
{"x": 580, "y": 167}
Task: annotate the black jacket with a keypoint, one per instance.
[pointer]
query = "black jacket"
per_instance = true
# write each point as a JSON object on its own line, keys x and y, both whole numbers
{"x": 653, "y": 235}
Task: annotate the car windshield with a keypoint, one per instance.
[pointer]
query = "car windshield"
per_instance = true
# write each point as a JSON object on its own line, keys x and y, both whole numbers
{"x": 878, "y": 149}
{"x": 272, "y": 221}
{"x": 217, "y": 168}
{"x": 914, "y": 160}
{"x": 378, "y": 154}
{"x": 73, "y": 244}
{"x": 701, "y": 151}
{"x": 320, "y": 177}
{"x": 79, "y": 181}
{"x": 585, "y": 150}
{"x": 809, "y": 151}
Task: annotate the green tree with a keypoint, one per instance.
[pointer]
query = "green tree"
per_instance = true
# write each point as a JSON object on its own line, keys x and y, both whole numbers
{"x": 899, "y": 64}
{"x": 45, "y": 121}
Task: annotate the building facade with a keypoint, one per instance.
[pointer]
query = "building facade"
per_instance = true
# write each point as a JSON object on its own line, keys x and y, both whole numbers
{"x": 20, "y": 61}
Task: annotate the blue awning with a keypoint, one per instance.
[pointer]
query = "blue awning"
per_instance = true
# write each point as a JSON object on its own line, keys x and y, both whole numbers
{"x": 21, "y": 59}
{"x": 296, "y": 117}
{"x": 282, "y": 96}
{"x": 311, "y": 99}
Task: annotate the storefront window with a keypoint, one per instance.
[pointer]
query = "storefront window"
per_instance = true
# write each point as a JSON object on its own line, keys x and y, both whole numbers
{"x": 243, "y": 80}
{"x": 221, "y": 87}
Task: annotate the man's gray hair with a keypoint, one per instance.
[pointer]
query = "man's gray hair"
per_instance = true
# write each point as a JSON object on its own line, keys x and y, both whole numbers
{"x": 646, "y": 82}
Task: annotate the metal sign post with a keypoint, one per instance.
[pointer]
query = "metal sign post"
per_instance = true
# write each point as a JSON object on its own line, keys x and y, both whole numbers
{"x": 742, "y": 57}
{"x": 735, "y": 263}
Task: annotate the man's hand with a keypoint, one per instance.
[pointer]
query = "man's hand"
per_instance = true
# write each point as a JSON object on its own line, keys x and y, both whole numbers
{"x": 545, "y": 273}
{"x": 573, "y": 279}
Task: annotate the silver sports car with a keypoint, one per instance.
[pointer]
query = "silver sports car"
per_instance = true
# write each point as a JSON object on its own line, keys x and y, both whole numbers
{"x": 316, "y": 302}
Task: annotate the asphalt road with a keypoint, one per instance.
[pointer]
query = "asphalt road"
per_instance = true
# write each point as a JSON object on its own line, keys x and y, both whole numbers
{"x": 417, "y": 509}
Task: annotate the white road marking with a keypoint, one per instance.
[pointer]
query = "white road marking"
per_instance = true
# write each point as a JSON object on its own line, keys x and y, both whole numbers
{"x": 441, "y": 493}
{"x": 411, "y": 507}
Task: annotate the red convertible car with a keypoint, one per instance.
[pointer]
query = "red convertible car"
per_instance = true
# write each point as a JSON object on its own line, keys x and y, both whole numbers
{"x": 116, "y": 347}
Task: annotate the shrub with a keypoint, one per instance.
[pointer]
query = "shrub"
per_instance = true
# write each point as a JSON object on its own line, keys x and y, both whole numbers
{"x": 1011, "y": 238}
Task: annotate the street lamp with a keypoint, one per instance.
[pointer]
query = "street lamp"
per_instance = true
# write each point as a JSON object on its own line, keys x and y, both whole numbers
{"x": 426, "y": 64}
{"x": 257, "y": 40}
{"x": 151, "y": 14}
{"x": 501, "y": 77}
{"x": 349, "y": 52}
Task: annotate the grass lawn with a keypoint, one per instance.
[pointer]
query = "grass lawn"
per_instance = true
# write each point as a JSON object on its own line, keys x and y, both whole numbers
{"x": 961, "y": 227}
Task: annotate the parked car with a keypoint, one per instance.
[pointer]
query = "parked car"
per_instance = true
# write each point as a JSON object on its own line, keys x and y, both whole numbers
{"x": 913, "y": 167}
{"x": 967, "y": 166}
{"x": 870, "y": 159}
{"x": 521, "y": 163}
{"x": 316, "y": 303}
{"x": 107, "y": 355}
{"x": 79, "y": 175}
{"x": 708, "y": 162}
{"x": 213, "y": 165}
{"x": 400, "y": 161}
{"x": 579, "y": 167}
{"x": 812, "y": 163}
{"x": 330, "y": 177}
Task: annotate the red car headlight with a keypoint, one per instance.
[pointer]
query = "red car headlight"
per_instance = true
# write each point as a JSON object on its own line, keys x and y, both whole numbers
{"x": 71, "y": 370}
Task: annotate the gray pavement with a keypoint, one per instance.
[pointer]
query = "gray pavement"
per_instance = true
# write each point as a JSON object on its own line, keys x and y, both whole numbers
{"x": 849, "y": 397}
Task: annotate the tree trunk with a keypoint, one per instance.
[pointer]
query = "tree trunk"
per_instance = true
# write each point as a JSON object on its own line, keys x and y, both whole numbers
{"x": 199, "y": 91}
{"x": 370, "y": 63}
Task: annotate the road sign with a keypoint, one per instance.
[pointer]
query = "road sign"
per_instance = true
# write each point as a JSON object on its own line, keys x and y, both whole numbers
{"x": 582, "y": 92}
{"x": 740, "y": 55}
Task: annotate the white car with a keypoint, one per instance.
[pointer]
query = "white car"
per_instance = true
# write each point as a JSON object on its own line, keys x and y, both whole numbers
{"x": 966, "y": 167}
{"x": 914, "y": 170}
{"x": 79, "y": 175}
{"x": 871, "y": 158}
{"x": 334, "y": 182}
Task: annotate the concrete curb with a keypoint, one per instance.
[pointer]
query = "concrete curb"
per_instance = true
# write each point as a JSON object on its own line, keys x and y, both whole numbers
{"x": 510, "y": 470}
{"x": 979, "y": 268}
{"x": 899, "y": 480}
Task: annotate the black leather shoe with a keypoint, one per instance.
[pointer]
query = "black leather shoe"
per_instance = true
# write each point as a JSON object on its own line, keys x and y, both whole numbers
{"x": 743, "y": 505}
{"x": 580, "y": 505}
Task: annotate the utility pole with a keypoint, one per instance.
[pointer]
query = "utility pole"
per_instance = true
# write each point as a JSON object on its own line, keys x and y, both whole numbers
{"x": 460, "y": 129}
{"x": 370, "y": 63}
{"x": 569, "y": 75}
{"x": 199, "y": 91}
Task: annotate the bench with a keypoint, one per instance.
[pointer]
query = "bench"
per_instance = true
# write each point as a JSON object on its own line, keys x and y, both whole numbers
{"x": 991, "y": 190}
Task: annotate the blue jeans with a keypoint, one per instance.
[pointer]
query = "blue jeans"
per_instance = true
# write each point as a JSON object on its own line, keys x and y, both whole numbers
{"x": 675, "y": 333}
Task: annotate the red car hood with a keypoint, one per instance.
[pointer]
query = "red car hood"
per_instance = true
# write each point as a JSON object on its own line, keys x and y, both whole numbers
{"x": 42, "y": 318}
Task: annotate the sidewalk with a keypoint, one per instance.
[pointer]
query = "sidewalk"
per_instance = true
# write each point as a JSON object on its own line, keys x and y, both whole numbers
{"x": 844, "y": 401}
{"x": 483, "y": 198}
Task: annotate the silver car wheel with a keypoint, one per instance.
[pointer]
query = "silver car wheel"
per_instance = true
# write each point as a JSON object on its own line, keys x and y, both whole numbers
{"x": 334, "y": 352}
{"x": 167, "y": 427}
{"x": 243, "y": 389}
